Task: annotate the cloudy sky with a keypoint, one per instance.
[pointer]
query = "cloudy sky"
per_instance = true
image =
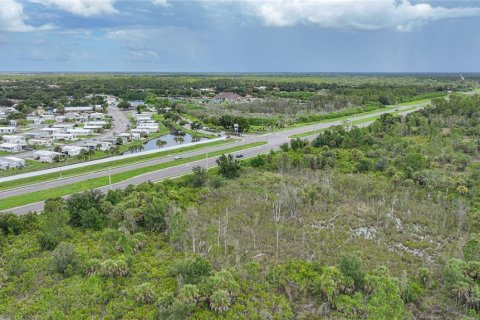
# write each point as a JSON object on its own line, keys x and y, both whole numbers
{"x": 240, "y": 35}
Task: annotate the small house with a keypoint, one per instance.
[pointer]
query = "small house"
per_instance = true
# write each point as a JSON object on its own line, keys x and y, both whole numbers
{"x": 64, "y": 136}
{"x": 15, "y": 139}
{"x": 40, "y": 142}
{"x": 10, "y": 147}
{"x": 47, "y": 156}
{"x": 72, "y": 151}
{"x": 11, "y": 162}
{"x": 8, "y": 130}
{"x": 80, "y": 131}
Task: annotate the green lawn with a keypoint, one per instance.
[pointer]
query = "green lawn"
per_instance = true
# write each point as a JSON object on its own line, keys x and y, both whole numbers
{"x": 38, "y": 196}
{"x": 99, "y": 167}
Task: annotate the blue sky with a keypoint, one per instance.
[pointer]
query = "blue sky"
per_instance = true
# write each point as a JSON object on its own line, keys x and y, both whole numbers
{"x": 240, "y": 35}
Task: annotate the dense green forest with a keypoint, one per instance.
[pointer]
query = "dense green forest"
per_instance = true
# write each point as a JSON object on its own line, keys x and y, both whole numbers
{"x": 273, "y": 95}
{"x": 380, "y": 222}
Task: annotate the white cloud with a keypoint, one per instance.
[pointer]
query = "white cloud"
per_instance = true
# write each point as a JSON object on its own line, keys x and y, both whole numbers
{"x": 12, "y": 18}
{"x": 352, "y": 14}
{"x": 85, "y": 8}
{"x": 163, "y": 3}
{"x": 165, "y": 44}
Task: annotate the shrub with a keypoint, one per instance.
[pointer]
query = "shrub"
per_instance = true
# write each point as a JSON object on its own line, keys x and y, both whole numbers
{"x": 64, "y": 258}
{"x": 471, "y": 250}
{"x": 114, "y": 268}
{"x": 220, "y": 301}
{"x": 192, "y": 270}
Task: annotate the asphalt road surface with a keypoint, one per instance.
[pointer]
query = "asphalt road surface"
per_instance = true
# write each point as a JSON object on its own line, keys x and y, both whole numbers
{"x": 274, "y": 139}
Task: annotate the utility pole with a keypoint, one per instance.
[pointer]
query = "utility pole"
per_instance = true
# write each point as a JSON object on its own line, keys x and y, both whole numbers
{"x": 109, "y": 179}
{"x": 206, "y": 161}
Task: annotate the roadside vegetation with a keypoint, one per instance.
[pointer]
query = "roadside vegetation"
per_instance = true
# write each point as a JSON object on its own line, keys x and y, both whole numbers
{"x": 104, "y": 166}
{"x": 24, "y": 199}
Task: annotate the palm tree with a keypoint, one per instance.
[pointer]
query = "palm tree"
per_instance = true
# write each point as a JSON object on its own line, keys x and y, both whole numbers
{"x": 179, "y": 140}
{"x": 196, "y": 137}
{"x": 115, "y": 150}
{"x": 83, "y": 155}
{"x": 161, "y": 143}
{"x": 91, "y": 153}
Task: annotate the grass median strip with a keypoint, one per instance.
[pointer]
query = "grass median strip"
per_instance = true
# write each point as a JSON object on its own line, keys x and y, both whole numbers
{"x": 102, "y": 166}
{"x": 354, "y": 122}
{"x": 24, "y": 199}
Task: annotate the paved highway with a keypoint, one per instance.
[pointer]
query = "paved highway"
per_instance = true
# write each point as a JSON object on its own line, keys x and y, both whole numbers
{"x": 274, "y": 141}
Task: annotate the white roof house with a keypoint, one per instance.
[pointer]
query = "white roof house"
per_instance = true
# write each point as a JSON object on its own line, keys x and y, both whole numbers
{"x": 40, "y": 142}
{"x": 10, "y": 147}
{"x": 72, "y": 151}
{"x": 140, "y": 131}
{"x": 8, "y": 129}
{"x": 52, "y": 130}
{"x": 80, "y": 131}
{"x": 79, "y": 109}
{"x": 63, "y": 136}
{"x": 11, "y": 162}
{"x": 97, "y": 116}
{"x": 63, "y": 125}
{"x": 152, "y": 127}
{"x": 105, "y": 145}
{"x": 96, "y": 123}
{"x": 92, "y": 127}
{"x": 142, "y": 116}
{"x": 16, "y": 162}
{"x": 59, "y": 119}
{"x": 46, "y": 156}
{"x": 48, "y": 117}
{"x": 36, "y": 134}
{"x": 4, "y": 165}
{"x": 15, "y": 139}
{"x": 101, "y": 145}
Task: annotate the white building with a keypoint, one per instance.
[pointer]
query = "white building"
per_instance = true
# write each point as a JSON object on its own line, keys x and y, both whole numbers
{"x": 63, "y": 136}
{"x": 48, "y": 117}
{"x": 151, "y": 127}
{"x": 10, "y": 147}
{"x": 59, "y": 119}
{"x": 80, "y": 131}
{"x": 52, "y": 130}
{"x": 36, "y": 134}
{"x": 63, "y": 126}
{"x": 93, "y": 128}
{"x": 97, "y": 116}
{"x": 11, "y": 162}
{"x": 8, "y": 130}
{"x": 35, "y": 119}
{"x": 79, "y": 109}
{"x": 140, "y": 131}
{"x": 101, "y": 145}
{"x": 142, "y": 117}
{"x": 46, "y": 156}
{"x": 72, "y": 151}
{"x": 96, "y": 123}
{"x": 105, "y": 145}
{"x": 15, "y": 139}
{"x": 40, "y": 142}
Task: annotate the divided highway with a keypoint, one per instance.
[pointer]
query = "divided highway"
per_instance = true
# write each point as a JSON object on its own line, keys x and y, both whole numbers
{"x": 274, "y": 139}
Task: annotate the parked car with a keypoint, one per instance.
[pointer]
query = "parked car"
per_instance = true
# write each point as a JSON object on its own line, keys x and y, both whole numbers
{"x": 239, "y": 155}
{"x": 178, "y": 157}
